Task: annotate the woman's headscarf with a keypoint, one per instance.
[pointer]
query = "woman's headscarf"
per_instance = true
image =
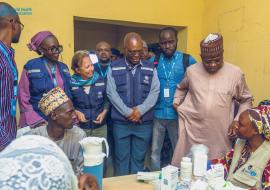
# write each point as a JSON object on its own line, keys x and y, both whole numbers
{"x": 35, "y": 162}
{"x": 264, "y": 103}
{"x": 260, "y": 116}
{"x": 37, "y": 39}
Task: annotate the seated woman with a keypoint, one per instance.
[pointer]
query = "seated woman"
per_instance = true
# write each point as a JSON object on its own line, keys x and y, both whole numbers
{"x": 248, "y": 164}
{"x": 39, "y": 76}
{"x": 35, "y": 162}
{"x": 89, "y": 95}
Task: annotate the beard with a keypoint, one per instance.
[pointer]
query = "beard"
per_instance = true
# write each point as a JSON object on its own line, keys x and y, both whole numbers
{"x": 104, "y": 61}
{"x": 16, "y": 38}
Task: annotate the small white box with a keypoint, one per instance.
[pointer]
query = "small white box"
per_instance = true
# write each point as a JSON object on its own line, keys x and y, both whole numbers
{"x": 169, "y": 177}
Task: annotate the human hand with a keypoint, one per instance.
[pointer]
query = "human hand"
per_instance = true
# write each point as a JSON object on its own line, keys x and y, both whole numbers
{"x": 87, "y": 182}
{"x": 80, "y": 116}
{"x": 135, "y": 115}
{"x": 231, "y": 131}
{"x": 100, "y": 117}
{"x": 175, "y": 106}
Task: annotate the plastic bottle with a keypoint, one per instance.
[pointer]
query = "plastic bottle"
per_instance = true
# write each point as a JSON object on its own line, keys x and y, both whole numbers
{"x": 186, "y": 169}
{"x": 199, "y": 158}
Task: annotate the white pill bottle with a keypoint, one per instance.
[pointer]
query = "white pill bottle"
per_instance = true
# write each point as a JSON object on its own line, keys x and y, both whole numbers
{"x": 186, "y": 169}
{"x": 199, "y": 159}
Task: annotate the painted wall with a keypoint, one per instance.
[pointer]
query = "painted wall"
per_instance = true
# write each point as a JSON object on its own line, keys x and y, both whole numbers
{"x": 243, "y": 23}
{"x": 57, "y": 16}
{"x": 245, "y": 27}
{"x": 88, "y": 34}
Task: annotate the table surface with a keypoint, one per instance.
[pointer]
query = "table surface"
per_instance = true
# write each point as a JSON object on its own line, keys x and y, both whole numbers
{"x": 127, "y": 182}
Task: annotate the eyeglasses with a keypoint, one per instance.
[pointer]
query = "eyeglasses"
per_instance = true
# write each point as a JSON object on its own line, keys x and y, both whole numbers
{"x": 54, "y": 49}
{"x": 216, "y": 60}
{"x": 16, "y": 21}
{"x": 21, "y": 24}
{"x": 135, "y": 52}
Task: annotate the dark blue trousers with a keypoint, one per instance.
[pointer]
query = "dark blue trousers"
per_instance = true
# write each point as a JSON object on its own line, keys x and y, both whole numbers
{"x": 131, "y": 143}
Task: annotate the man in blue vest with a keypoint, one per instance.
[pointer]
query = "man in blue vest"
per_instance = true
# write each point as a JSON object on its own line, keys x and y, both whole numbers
{"x": 133, "y": 88}
{"x": 171, "y": 68}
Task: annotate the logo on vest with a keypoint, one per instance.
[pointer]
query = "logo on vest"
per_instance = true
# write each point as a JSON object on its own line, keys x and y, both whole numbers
{"x": 146, "y": 80}
{"x": 249, "y": 171}
{"x": 100, "y": 95}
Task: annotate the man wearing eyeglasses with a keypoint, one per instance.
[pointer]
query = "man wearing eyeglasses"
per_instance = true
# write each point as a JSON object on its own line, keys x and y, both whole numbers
{"x": 10, "y": 31}
{"x": 133, "y": 88}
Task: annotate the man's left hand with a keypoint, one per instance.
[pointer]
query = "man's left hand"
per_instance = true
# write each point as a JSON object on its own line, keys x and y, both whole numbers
{"x": 175, "y": 106}
{"x": 135, "y": 116}
{"x": 87, "y": 181}
{"x": 231, "y": 131}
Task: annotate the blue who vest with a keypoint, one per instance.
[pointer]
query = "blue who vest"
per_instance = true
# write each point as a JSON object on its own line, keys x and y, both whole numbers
{"x": 132, "y": 89}
{"x": 92, "y": 104}
{"x": 40, "y": 81}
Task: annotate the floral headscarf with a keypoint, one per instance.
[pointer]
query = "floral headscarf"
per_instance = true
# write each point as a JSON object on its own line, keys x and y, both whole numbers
{"x": 260, "y": 116}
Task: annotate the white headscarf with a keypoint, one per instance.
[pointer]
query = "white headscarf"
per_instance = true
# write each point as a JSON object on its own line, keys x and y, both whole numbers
{"x": 35, "y": 163}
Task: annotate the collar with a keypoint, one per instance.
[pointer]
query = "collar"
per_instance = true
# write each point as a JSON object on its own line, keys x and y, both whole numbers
{"x": 9, "y": 50}
{"x": 130, "y": 66}
{"x": 104, "y": 64}
{"x": 175, "y": 54}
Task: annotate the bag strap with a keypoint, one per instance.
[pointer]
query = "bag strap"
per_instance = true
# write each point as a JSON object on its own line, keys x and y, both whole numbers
{"x": 185, "y": 61}
{"x": 156, "y": 60}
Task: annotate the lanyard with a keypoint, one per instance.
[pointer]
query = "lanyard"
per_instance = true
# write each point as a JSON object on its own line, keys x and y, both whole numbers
{"x": 52, "y": 71}
{"x": 13, "y": 69}
{"x": 101, "y": 72}
{"x": 167, "y": 76}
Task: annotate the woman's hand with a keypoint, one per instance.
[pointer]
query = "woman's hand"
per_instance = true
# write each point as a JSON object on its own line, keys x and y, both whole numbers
{"x": 100, "y": 117}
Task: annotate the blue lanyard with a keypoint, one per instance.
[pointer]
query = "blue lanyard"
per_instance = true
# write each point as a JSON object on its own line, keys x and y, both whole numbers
{"x": 101, "y": 72}
{"x": 13, "y": 69}
{"x": 169, "y": 74}
{"x": 53, "y": 73}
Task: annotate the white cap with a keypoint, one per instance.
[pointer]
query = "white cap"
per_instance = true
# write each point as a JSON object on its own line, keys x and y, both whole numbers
{"x": 186, "y": 159}
{"x": 210, "y": 38}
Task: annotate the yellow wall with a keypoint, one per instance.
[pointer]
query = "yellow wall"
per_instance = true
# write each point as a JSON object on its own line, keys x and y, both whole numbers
{"x": 245, "y": 26}
{"x": 57, "y": 16}
{"x": 88, "y": 34}
{"x": 243, "y": 23}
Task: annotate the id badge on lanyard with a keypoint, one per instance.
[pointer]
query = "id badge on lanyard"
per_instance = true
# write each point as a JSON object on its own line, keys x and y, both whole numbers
{"x": 13, "y": 107}
{"x": 166, "y": 92}
{"x": 15, "y": 87}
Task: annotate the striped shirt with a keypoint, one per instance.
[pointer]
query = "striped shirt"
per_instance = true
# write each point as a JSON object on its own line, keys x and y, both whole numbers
{"x": 7, "y": 121}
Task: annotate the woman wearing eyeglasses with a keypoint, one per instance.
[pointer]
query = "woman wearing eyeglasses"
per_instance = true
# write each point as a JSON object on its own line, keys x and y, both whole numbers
{"x": 39, "y": 76}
